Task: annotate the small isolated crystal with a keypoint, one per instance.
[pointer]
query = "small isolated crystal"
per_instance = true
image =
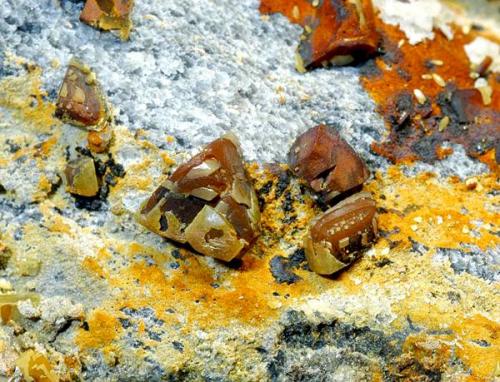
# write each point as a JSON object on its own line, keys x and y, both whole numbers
{"x": 338, "y": 32}
{"x": 98, "y": 141}
{"x": 109, "y": 15}
{"x": 327, "y": 162}
{"x": 208, "y": 203}
{"x": 81, "y": 177}
{"x": 337, "y": 237}
{"x": 80, "y": 100}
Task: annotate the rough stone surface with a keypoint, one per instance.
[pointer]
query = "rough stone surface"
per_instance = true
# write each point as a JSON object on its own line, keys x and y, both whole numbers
{"x": 103, "y": 299}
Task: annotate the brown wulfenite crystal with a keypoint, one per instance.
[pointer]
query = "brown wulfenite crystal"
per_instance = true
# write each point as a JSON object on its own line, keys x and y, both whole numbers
{"x": 109, "y": 15}
{"x": 208, "y": 203}
{"x": 336, "y": 32}
{"x": 327, "y": 162}
{"x": 80, "y": 100}
{"x": 81, "y": 177}
{"x": 337, "y": 237}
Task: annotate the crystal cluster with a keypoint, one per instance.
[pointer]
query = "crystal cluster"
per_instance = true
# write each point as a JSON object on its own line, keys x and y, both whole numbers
{"x": 332, "y": 168}
{"x": 208, "y": 203}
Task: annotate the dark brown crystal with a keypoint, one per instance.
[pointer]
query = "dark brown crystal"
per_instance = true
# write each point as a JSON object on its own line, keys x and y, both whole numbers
{"x": 327, "y": 162}
{"x": 80, "y": 101}
{"x": 208, "y": 203}
{"x": 337, "y": 237}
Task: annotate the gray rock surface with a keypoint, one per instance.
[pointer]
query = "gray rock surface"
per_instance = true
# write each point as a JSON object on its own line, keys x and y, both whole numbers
{"x": 195, "y": 70}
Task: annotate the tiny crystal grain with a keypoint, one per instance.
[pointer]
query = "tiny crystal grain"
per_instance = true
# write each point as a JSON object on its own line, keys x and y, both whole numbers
{"x": 438, "y": 80}
{"x": 443, "y": 124}
{"x": 437, "y": 62}
{"x": 419, "y": 96}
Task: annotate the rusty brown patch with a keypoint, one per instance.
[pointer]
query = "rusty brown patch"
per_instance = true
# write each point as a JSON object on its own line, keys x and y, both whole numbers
{"x": 336, "y": 32}
{"x": 453, "y": 113}
{"x": 425, "y": 92}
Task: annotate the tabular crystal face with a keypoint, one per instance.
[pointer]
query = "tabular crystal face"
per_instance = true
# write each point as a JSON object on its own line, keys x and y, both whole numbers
{"x": 337, "y": 237}
{"x": 208, "y": 203}
{"x": 81, "y": 177}
{"x": 327, "y": 162}
{"x": 80, "y": 101}
{"x": 109, "y": 15}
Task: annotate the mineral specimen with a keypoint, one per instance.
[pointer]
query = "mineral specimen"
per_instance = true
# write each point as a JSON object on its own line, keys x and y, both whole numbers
{"x": 8, "y": 304}
{"x": 81, "y": 177}
{"x": 98, "y": 141}
{"x": 36, "y": 367}
{"x": 208, "y": 203}
{"x": 336, "y": 32}
{"x": 109, "y": 15}
{"x": 80, "y": 100}
{"x": 326, "y": 162}
{"x": 337, "y": 237}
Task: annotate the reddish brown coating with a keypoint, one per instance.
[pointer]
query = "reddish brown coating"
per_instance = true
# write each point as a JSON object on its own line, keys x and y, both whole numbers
{"x": 326, "y": 161}
{"x": 471, "y": 124}
{"x": 402, "y": 68}
{"x": 416, "y": 133}
{"x": 337, "y": 238}
{"x": 80, "y": 101}
{"x": 332, "y": 28}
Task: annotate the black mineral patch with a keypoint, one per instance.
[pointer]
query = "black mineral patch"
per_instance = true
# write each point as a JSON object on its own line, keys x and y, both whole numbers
{"x": 263, "y": 191}
{"x": 178, "y": 346}
{"x": 297, "y": 258}
{"x": 359, "y": 346}
{"x": 125, "y": 323}
{"x": 282, "y": 267}
{"x": 176, "y": 254}
{"x": 382, "y": 262}
{"x": 283, "y": 183}
{"x": 13, "y": 147}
